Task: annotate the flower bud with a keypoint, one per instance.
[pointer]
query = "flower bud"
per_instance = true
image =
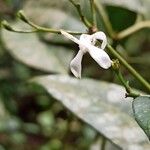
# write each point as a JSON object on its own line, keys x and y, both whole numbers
{"x": 6, "y": 25}
{"x": 21, "y": 15}
{"x": 115, "y": 64}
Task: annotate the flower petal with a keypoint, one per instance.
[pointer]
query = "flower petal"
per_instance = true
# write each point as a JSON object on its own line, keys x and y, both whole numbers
{"x": 75, "y": 64}
{"x": 100, "y": 36}
{"x": 100, "y": 56}
{"x": 69, "y": 36}
{"x": 85, "y": 40}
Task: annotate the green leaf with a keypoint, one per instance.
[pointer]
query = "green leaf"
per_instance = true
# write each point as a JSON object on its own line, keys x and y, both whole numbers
{"x": 65, "y": 5}
{"x": 134, "y": 5}
{"x": 30, "y": 50}
{"x": 141, "y": 109}
{"x": 54, "y": 18}
{"x": 102, "y": 105}
{"x": 138, "y": 6}
{"x": 121, "y": 18}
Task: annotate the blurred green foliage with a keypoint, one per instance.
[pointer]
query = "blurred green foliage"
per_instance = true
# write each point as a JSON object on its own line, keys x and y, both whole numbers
{"x": 30, "y": 118}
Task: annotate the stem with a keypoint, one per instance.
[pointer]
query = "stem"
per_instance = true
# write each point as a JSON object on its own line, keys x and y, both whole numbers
{"x": 116, "y": 69}
{"x": 37, "y": 28}
{"x": 94, "y": 22}
{"x": 136, "y": 27}
{"x": 40, "y": 29}
{"x": 7, "y": 26}
{"x": 43, "y": 29}
{"x": 125, "y": 83}
{"x": 83, "y": 18}
{"x": 130, "y": 68}
{"x": 20, "y": 31}
{"x": 103, "y": 14}
{"x": 103, "y": 144}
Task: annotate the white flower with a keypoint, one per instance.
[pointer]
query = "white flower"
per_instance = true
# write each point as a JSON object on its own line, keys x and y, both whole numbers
{"x": 86, "y": 44}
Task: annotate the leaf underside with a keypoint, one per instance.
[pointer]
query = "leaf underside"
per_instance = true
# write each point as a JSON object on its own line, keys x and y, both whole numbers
{"x": 101, "y": 105}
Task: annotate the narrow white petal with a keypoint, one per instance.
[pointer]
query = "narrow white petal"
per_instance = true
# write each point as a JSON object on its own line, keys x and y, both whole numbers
{"x": 75, "y": 64}
{"x": 69, "y": 36}
{"x": 85, "y": 40}
{"x": 100, "y": 36}
{"x": 100, "y": 56}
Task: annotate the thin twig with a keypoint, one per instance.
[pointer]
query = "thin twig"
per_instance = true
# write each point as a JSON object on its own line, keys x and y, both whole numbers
{"x": 103, "y": 144}
{"x": 129, "y": 67}
{"x": 116, "y": 69}
{"x": 36, "y": 28}
{"x": 130, "y": 92}
{"x": 103, "y": 14}
{"x": 94, "y": 21}
{"x": 136, "y": 27}
{"x": 43, "y": 29}
{"x": 83, "y": 18}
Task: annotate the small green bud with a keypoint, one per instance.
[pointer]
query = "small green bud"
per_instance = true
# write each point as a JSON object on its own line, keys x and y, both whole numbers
{"x": 21, "y": 15}
{"x": 6, "y": 25}
{"x": 116, "y": 64}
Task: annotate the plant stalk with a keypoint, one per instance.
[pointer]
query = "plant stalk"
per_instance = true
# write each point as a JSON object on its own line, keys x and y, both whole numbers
{"x": 129, "y": 67}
